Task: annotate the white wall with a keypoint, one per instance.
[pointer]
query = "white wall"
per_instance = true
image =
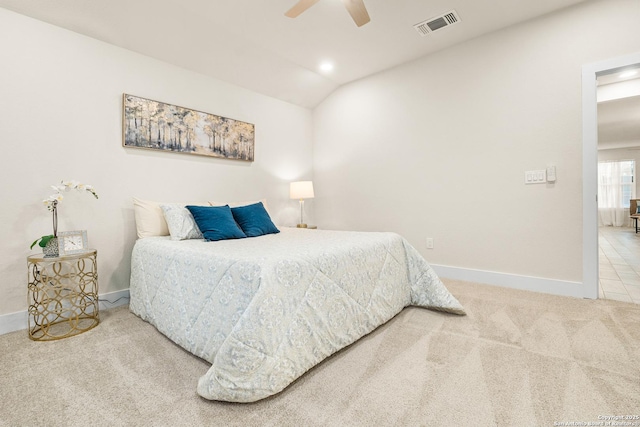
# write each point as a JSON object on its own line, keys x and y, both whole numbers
{"x": 438, "y": 147}
{"x": 60, "y": 118}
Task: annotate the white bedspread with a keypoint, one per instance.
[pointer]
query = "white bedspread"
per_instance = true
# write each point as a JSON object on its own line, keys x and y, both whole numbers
{"x": 264, "y": 310}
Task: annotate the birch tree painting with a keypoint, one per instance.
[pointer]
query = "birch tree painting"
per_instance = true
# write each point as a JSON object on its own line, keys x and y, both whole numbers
{"x": 160, "y": 126}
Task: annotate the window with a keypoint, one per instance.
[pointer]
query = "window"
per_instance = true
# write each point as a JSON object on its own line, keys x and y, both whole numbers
{"x": 616, "y": 183}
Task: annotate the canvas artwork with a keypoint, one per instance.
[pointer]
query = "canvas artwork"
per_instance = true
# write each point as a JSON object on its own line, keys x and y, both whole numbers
{"x": 159, "y": 126}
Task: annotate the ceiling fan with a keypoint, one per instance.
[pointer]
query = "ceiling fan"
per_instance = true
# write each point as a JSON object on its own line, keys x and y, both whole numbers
{"x": 355, "y": 8}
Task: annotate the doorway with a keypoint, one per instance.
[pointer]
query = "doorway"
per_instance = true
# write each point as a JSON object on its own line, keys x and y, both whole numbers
{"x": 591, "y": 74}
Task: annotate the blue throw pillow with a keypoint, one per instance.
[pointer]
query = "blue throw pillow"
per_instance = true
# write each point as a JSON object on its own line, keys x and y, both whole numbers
{"x": 254, "y": 220}
{"x": 216, "y": 222}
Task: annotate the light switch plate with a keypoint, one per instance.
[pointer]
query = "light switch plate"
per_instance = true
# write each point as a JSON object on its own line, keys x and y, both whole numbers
{"x": 551, "y": 174}
{"x": 535, "y": 177}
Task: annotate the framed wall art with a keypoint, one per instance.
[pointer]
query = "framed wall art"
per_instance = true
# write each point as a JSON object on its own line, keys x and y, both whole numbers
{"x": 159, "y": 126}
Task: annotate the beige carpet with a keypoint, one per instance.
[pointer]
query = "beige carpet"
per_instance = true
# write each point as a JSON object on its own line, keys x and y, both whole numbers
{"x": 517, "y": 359}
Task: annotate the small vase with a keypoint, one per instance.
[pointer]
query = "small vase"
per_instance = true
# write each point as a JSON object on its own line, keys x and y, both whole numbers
{"x": 51, "y": 248}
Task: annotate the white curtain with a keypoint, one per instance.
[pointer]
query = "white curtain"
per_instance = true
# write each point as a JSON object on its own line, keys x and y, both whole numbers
{"x": 615, "y": 188}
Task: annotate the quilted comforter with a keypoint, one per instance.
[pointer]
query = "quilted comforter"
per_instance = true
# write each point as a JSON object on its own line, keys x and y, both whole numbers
{"x": 265, "y": 310}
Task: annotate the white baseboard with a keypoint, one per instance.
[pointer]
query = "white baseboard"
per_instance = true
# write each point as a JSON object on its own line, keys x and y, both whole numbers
{"x": 114, "y": 299}
{"x": 17, "y": 321}
{"x": 514, "y": 281}
{"x": 13, "y": 322}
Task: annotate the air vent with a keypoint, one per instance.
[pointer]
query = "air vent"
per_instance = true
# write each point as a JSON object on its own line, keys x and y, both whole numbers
{"x": 437, "y": 23}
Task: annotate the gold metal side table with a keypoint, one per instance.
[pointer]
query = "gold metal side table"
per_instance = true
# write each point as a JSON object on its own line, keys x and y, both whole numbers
{"x": 62, "y": 295}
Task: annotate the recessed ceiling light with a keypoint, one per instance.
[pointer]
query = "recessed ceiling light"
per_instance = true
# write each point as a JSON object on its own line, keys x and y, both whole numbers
{"x": 326, "y": 67}
{"x": 629, "y": 73}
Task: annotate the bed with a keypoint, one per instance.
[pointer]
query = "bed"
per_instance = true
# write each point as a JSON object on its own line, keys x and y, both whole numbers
{"x": 265, "y": 310}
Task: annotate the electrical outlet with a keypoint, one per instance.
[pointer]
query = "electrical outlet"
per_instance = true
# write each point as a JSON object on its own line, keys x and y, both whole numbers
{"x": 429, "y": 242}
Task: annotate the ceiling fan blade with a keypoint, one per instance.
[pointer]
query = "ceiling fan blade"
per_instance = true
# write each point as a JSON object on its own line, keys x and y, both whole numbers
{"x": 300, "y": 7}
{"x": 357, "y": 11}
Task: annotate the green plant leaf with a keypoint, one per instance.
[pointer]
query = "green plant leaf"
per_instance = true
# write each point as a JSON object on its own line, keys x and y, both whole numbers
{"x": 43, "y": 241}
{"x": 34, "y": 242}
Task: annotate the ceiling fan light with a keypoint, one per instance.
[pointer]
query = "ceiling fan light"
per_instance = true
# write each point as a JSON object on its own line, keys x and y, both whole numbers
{"x": 356, "y": 9}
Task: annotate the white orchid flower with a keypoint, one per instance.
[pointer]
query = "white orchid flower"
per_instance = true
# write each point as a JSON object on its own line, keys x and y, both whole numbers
{"x": 91, "y": 190}
{"x": 70, "y": 185}
{"x": 52, "y": 201}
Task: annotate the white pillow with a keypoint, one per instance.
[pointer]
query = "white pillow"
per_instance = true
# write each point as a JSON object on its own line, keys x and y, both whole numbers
{"x": 180, "y": 222}
{"x": 237, "y": 204}
{"x": 150, "y": 220}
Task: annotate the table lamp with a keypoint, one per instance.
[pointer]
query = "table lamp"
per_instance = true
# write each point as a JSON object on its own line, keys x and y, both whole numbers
{"x": 301, "y": 190}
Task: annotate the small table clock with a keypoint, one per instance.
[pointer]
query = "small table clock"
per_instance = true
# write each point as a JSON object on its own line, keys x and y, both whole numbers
{"x": 72, "y": 242}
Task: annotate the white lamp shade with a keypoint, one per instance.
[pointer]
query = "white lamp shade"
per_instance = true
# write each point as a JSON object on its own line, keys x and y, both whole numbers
{"x": 301, "y": 190}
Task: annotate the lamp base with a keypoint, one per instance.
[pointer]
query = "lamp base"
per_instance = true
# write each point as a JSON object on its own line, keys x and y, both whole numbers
{"x": 301, "y": 225}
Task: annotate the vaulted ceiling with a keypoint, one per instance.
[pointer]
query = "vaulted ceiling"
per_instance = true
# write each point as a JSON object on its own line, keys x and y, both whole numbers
{"x": 252, "y": 44}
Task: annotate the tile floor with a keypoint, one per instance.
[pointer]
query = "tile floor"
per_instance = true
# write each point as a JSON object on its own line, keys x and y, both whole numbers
{"x": 619, "y": 264}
